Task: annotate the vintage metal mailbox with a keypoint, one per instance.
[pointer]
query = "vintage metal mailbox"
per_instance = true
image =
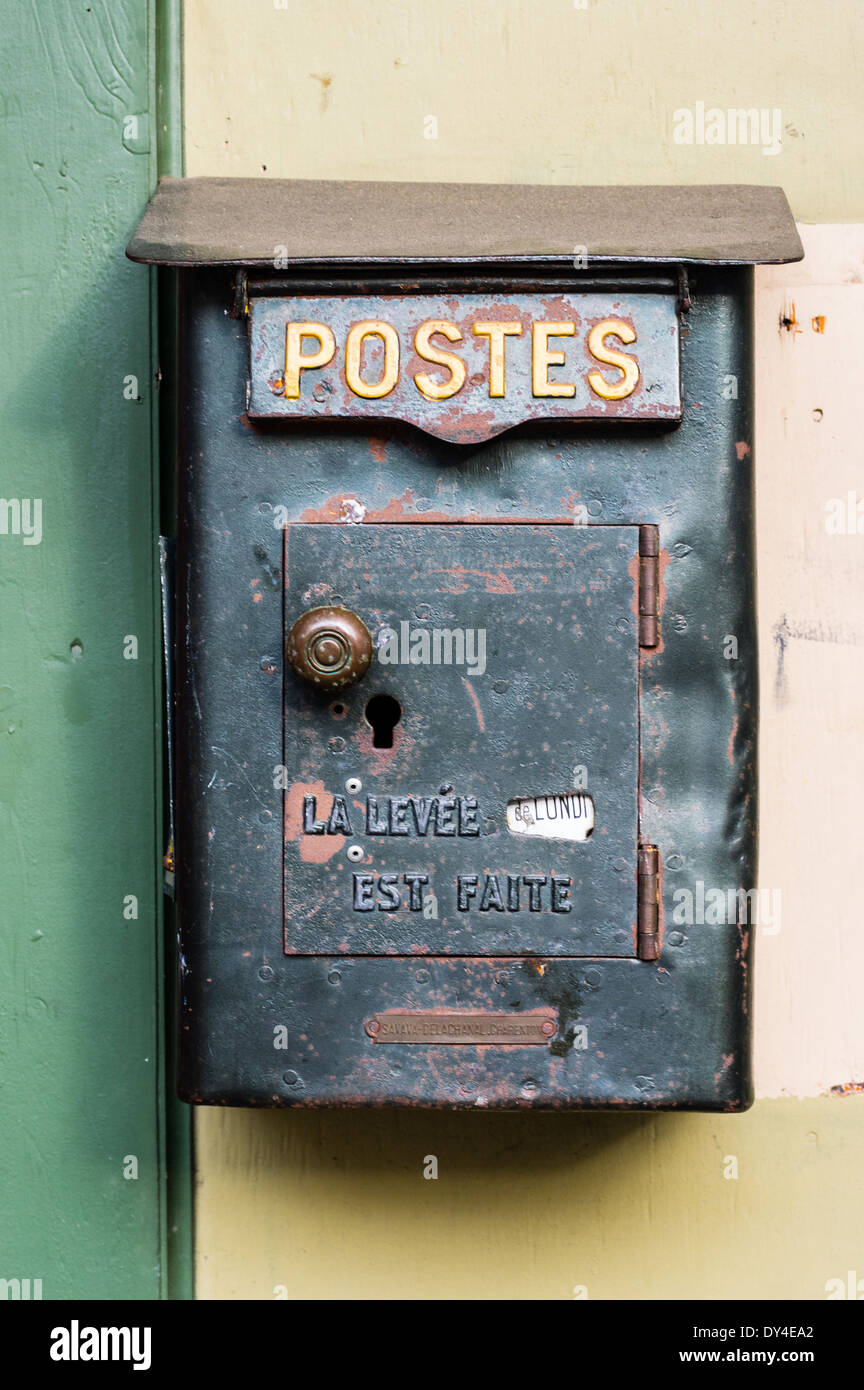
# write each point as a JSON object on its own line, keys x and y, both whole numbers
{"x": 466, "y": 657}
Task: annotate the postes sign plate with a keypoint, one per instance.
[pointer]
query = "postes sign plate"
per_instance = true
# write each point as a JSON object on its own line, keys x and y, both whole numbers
{"x": 465, "y": 367}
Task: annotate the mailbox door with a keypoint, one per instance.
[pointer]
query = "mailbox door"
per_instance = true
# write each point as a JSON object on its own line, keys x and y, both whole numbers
{"x": 475, "y": 793}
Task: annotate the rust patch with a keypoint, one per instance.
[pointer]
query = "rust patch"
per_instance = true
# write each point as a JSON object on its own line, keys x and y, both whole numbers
{"x": 741, "y": 955}
{"x": 572, "y": 500}
{"x": 789, "y": 321}
{"x": 730, "y": 751}
{"x": 314, "y": 849}
{"x": 326, "y": 80}
{"x": 476, "y": 703}
{"x": 330, "y": 510}
{"x": 342, "y": 508}
{"x": 402, "y": 508}
{"x": 495, "y": 583}
{"x": 378, "y": 448}
{"x": 333, "y": 510}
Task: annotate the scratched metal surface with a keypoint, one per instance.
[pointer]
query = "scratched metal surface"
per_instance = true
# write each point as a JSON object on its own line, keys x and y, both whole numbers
{"x": 557, "y": 690}
{"x": 469, "y": 416}
{"x": 670, "y": 1033}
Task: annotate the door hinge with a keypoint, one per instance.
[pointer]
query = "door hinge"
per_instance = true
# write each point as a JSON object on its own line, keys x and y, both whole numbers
{"x": 648, "y": 903}
{"x": 649, "y": 552}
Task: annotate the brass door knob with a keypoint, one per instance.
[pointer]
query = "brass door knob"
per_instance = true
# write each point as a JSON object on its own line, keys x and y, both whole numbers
{"x": 329, "y": 647}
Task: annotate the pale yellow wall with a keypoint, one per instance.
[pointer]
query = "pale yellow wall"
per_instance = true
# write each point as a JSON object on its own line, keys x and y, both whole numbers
{"x": 335, "y": 1205}
{"x": 530, "y": 1206}
{"x": 526, "y": 91}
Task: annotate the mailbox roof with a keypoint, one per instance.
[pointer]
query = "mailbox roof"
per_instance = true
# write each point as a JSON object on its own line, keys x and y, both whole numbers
{"x": 249, "y": 222}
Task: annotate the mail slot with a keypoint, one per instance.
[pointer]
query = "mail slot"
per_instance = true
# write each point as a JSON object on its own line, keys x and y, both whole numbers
{"x": 464, "y": 708}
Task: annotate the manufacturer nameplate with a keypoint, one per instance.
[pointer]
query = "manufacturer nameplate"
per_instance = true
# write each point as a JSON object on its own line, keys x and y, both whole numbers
{"x": 483, "y": 1030}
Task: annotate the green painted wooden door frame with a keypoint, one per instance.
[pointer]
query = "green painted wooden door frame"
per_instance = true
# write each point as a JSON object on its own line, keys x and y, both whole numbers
{"x": 94, "y": 1149}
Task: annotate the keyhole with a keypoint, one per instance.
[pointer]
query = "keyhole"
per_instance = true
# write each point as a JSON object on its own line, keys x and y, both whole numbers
{"x": 383, "y": 714}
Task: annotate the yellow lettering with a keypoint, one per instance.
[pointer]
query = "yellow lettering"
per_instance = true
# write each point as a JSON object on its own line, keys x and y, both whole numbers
{"x": 622, "y": 360}
{"x": 542, "y": 359}
{"x": 297, "y": 361}
{"x": 372, "y": 328}
{"x": 497, "y": 333}
{"x": 439, "y": 390}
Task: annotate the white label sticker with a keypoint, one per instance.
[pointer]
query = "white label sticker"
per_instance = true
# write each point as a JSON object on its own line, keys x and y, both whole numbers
{"x": 559, "y": 816}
